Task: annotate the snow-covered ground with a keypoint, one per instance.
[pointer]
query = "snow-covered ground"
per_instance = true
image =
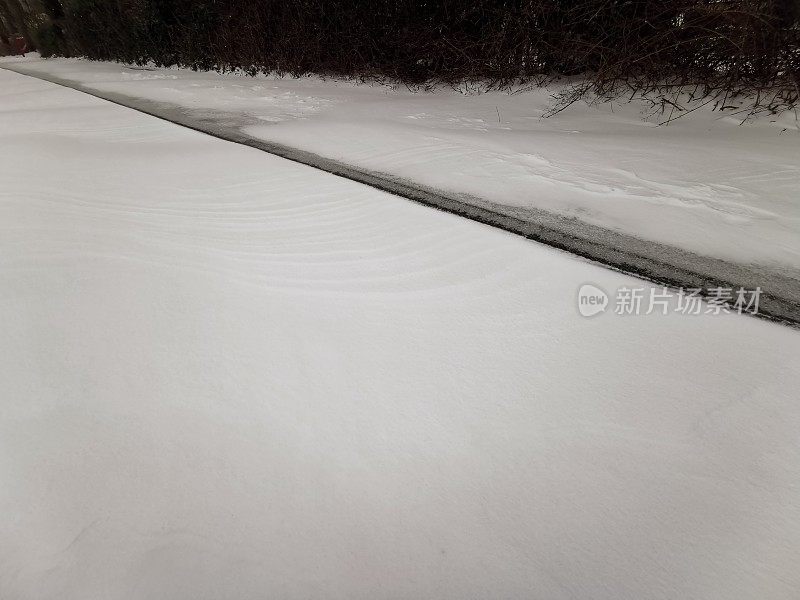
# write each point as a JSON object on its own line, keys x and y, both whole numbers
{"x": 705, "y": 183}
{"x": 226, "y": 375}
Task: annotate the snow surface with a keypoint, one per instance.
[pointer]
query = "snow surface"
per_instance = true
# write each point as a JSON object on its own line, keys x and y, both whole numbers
{"x": 226, "y": 375}
{"x": 705, "y": 183}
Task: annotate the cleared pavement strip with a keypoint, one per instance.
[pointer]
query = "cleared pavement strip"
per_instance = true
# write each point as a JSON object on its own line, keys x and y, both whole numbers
{"x": 655, "y": 262}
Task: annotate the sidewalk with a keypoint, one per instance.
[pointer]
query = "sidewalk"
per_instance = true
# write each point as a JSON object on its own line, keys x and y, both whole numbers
{"x": 702, "y": 203}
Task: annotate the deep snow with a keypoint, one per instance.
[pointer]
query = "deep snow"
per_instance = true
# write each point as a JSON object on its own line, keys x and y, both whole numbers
{"x": 226, "y": 375}
{"x": 705, "y": 183}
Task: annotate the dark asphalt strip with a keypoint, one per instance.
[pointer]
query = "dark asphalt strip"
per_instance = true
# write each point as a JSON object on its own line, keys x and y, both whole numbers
{"x": 654, "y": 262}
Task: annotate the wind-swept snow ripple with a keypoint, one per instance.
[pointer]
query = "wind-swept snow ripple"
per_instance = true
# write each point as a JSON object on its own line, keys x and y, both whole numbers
{"x": 226, "y": 375}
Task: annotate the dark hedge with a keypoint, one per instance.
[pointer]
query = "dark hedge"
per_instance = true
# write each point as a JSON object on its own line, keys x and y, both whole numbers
{"x": 720, "y": 48}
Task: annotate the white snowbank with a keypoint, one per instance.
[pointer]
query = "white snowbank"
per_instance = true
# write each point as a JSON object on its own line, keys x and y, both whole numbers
{"x": 226, "y": 375}
{"x": 704, "y": 183}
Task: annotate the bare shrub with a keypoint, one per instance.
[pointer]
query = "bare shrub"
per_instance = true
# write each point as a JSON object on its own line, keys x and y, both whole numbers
{"x": 722, "y": 51}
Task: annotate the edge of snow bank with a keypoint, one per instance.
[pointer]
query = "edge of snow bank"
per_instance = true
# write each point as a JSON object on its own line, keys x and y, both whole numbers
{"x": 652, "y": 261}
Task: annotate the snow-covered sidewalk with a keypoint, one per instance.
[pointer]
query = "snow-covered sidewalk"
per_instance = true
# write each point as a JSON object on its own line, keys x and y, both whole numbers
{"x": 705, "y": 183}
{"x": 226, "y": 375}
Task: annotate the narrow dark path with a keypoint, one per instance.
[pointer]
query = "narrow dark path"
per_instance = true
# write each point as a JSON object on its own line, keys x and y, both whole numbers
{"x": 655, "y": 262}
